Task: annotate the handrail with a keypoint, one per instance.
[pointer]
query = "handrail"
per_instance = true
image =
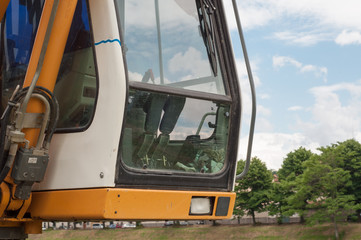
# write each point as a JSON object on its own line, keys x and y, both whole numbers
{"x": 253, "y": 91}
{"x": 202, "y": 121}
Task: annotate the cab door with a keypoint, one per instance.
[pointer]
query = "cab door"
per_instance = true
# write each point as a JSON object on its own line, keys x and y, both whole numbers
{"x": 182, "y": 114}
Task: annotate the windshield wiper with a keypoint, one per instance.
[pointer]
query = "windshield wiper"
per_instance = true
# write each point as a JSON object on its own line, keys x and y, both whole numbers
{"x": 206, "y": 11}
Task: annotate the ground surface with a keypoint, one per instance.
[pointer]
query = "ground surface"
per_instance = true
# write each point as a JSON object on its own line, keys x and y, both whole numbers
{"x": 268, "y": 232}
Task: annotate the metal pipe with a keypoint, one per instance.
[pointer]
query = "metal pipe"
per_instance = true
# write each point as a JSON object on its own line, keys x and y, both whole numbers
{"x": 41, "y": 57}
{"x": 253, "y": 91}
{"x": 161, "y": 71}
{"x": 44, "y": 124}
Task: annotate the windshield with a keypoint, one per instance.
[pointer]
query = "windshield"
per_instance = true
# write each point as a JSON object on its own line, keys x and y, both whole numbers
{"x": 171, "y": 43}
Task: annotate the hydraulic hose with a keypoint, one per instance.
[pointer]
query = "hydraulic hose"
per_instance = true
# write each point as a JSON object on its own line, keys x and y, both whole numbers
{"x": 54, "y": 115}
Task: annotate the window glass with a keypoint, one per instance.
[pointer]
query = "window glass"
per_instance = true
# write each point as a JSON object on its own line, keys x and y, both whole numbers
{"x": 76, "y": 86}
{"x": 171, "y": 43}
{"x": 174, "y": 133}
{"x": 18, "y": 31}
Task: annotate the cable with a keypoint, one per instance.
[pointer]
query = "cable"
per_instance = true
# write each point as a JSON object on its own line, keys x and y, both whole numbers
{"x": 9, "y": 155}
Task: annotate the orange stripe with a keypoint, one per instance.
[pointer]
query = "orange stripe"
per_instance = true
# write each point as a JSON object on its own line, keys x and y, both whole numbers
{"x": 112, "y": 203}
{"x": 3, "y": 6}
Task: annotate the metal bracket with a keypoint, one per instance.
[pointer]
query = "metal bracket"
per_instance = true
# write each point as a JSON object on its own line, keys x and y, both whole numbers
{"x": 33, "y": 120}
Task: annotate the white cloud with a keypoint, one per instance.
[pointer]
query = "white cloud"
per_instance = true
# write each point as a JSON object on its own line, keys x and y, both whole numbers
{"x": 189, "y": 62}
{"x": 134, "y": 76}
{"x": 348, "y": 37}
{"x": 322, "y": 12}
{"x": 321, "y": 19}
{"x": 272, "y": 148}
{"x": 334, "y": 117}
{"x": 263, "y": 95}
{"x": 301, "y": 38}
{"x": 252, "y": 15}
{"x": 261, "y": 110}
{"x": 295, "y": 108}
{"x": 263, "y": 125}
{"x": 335, "y": 113}
{"x": 282, "y": 61}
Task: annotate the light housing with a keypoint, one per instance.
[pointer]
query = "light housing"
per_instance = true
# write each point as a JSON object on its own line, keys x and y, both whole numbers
{"x": 201, "y": 206}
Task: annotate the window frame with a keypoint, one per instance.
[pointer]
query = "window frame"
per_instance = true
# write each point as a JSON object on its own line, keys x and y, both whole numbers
{"x": 223, "y": 180}
{"x": 85, "y": 127}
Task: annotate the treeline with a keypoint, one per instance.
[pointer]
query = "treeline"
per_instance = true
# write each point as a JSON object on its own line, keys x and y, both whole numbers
{"x": 324, "y": 187}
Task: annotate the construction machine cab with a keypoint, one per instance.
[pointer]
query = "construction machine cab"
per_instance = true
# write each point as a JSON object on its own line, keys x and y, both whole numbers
{"x": 143, "y": 117}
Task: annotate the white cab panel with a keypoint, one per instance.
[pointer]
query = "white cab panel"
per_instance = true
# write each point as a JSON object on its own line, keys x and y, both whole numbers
{"x": 78, "y": 160}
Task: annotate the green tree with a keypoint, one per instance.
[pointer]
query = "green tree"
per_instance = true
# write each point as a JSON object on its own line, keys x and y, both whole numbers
{"x": 285, "y": 202}
{"x": 350, "y": 151}
{"x": 326, "y": 186}
{"x": 254, "y": 189}
{"x": 292, "y": 164}
{"x": 278, "y": 200}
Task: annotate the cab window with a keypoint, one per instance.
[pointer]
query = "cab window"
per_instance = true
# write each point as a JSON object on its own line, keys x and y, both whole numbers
{"x": 177, "y": 116}
{"x": 168, "y": 132}
{"x": 18, "y": 31}
{"x": 76, "y": 86}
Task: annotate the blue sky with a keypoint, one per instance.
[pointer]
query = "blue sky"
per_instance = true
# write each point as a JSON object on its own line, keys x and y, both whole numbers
{"x": 306, "y": 59}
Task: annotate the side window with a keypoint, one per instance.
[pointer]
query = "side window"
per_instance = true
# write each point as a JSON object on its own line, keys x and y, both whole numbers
{"x": 18, "y": 31}
{"x": 175, "y": 133}
{"x": 76, "y": 86}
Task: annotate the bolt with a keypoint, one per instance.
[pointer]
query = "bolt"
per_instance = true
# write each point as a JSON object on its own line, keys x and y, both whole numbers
{"x": 25, "y": 174}
{"x": 101, "y": 175}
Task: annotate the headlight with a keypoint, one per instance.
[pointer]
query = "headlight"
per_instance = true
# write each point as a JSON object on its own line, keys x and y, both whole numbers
{"x": 201, "y": 206}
